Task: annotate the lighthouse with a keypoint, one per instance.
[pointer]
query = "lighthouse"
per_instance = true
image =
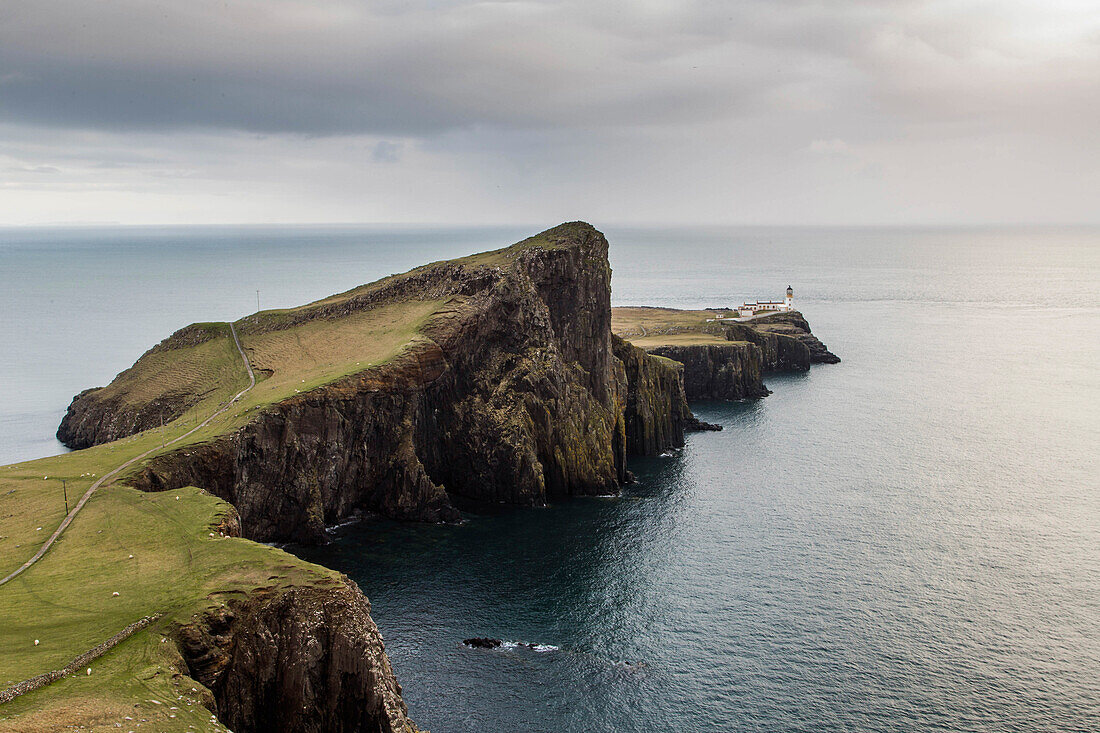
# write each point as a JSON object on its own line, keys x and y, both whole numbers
{"x": 790, "y": 298}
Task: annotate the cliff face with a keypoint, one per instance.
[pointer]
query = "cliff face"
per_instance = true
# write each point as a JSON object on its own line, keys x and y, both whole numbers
{"x": 657, "y": 414}
{"x": 733, "y": 371}
{"x": 90, "y": 421}
{"x": 306, "y": 659}
{"x": 793, "y": 325}
{"x": 719, "y": 371}
{"x": 510, "y": 394}
{"x": 778, "y": 352}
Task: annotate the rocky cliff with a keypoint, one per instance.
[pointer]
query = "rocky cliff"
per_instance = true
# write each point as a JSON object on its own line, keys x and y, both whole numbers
{"x": 793, "y": 325}
{"x": 302, "y": 660}
{"x": 306, "y": 658}
{"x": 732, "y": 371}
{"x": 722, "y": 359}
{"x": 511, "y": 393}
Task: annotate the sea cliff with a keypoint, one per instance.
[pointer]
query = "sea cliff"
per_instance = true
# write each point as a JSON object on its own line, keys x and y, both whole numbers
{"x": 724, "y": 359}
{"x": 509, "y": 392}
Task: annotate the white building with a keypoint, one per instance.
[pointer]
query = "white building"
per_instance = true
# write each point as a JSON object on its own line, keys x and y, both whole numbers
{"x": 767, "y": 306}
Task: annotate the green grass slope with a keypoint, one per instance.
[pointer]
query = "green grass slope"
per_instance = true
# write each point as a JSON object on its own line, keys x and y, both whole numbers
{"x": 647, "y": 327}
{"x": 160, "y": 552}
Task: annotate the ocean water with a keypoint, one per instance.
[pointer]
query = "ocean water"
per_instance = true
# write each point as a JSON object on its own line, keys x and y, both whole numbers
{"x": 908, "y": 540}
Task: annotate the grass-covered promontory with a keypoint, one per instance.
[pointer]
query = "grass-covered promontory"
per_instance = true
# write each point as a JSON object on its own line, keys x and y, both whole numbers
{"x": 162, "y": 553}
{"x": 293, "y": 350}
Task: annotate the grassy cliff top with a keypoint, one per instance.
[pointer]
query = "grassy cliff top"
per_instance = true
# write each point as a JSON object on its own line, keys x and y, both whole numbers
{"x": 297, "y": 349}
{"x": 648, "y": 326}
{"x": 157, "y": 553}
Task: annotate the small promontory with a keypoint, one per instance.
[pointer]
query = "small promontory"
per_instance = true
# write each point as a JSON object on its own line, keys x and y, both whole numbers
{"x": 723, "y": 358}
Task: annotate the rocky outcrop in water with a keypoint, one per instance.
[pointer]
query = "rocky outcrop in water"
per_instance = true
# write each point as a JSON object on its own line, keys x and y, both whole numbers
{"x": 482, "y": 642}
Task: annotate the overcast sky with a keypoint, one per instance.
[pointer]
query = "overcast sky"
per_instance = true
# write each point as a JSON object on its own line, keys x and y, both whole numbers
{"x": 757, "y": 111}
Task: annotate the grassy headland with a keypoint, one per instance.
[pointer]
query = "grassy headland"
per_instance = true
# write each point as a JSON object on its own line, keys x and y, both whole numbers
{"x": 161, "y": 553}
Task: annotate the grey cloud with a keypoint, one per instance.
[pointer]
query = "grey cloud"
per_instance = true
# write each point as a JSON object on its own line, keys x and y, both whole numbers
{"x": 762, "y": 110}
{"x": 337, "y": 68}
{"x": 387, "y": 152}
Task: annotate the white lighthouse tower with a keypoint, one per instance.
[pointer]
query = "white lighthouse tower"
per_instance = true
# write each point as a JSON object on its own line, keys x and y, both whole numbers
{"x": 790, "y": 298}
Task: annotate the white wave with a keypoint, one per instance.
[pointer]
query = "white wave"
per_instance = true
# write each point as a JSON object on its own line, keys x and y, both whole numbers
{"x": 545, "y": 648}
{"x": 527, "y": 645}
{"x": 345, "y": 523}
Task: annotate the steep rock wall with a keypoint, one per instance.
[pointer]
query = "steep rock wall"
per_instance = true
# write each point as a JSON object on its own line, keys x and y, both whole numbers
{"x": 719, "y": 371}
{"x": 793, "y": 325}
{"x": 298, "y": 660}
{"x": 513, "y": 395}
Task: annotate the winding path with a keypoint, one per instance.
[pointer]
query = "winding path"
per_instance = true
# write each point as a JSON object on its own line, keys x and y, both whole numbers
{"x": 116, "y": 471}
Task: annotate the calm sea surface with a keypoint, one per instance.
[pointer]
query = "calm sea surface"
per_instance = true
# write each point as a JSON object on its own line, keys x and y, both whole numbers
{"x": 908, "y": 540}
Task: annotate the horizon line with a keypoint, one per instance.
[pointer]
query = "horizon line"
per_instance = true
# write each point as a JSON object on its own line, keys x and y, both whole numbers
{"x": 503, "y": 225}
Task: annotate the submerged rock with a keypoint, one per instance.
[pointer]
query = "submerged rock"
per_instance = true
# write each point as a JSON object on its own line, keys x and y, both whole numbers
{"x": 482, "y": 643}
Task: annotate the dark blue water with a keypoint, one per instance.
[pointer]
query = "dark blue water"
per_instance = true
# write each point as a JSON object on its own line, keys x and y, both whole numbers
{"x": 909, "y": 540}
